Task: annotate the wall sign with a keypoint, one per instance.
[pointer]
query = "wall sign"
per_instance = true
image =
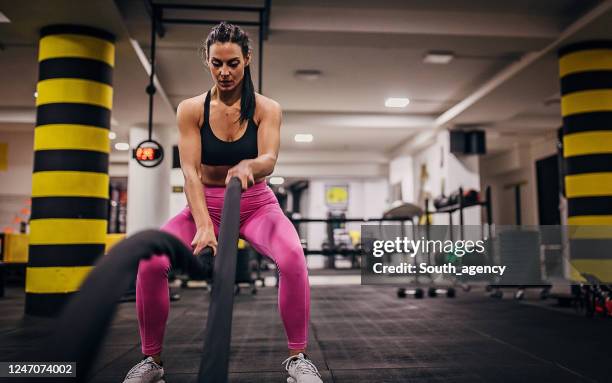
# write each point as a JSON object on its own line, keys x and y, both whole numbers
{"x": 336, "y": 196}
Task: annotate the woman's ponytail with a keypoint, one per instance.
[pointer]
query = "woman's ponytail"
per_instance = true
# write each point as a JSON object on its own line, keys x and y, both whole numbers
{"x": 247, "y": 102}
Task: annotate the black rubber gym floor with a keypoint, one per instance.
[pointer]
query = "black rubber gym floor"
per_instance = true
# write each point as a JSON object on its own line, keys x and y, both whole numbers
{"x": 360, "y": 334}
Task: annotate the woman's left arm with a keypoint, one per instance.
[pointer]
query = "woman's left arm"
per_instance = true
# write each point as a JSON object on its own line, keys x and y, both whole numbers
{"x": 268, "y": 141}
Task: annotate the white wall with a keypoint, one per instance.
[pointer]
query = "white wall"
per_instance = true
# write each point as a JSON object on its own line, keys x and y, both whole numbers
{"x": 118, "y": 162}
{"x": 464, "y": 171}
{"x": 327, "y": 163}
{"x": 331, "y": 170}
{"x": 401, "y": 171}
{"x": 503, "y": 197}
{"x": 513, "y": 166}
{"x": 16, "y": 181}
{"x": 446, "y": 173}
{"x": 178, "y": 200}
{"x": 433, "y": 159}
{"x": 148, "y": 188}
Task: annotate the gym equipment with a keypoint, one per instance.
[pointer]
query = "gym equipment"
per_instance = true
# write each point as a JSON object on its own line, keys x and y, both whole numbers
{"x": 417, "y": 293}
{"x": 82, "y": 325}
{"x": 244, "y": 271}
{"x": 433, "y": 292}
{"x": 520, "y": 251}
{"x": 159, "y": 17}
{"x": 408, "y": 212}
{"x": 329, "y": 249}
{"x": 457, "y": 202}
{"x": 593, "y": 297}
{"x": 335, "y": 238}
{"x": 1, "y": 279}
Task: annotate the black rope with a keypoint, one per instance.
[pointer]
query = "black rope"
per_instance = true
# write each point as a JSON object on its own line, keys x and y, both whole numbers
{"x": 79, "y": 331}
{"x": 214, "y": 364}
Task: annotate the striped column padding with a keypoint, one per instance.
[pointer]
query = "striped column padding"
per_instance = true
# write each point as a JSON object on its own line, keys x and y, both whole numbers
{"x": 586, "y": 107}
{"x": 70, "y": 176}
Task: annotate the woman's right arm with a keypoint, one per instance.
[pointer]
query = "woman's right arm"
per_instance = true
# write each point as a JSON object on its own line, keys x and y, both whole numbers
{"x": 190, "y": 150}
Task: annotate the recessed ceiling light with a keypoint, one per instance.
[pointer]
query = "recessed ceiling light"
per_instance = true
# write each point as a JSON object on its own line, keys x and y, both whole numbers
{"x": 397, "y": 102}
{"x": 3, "y": 18}
{"x": 307, "y": 74}
{"x": 438, "y": 57}
{"x": 122, "y": 146}
{"x": 277, "y": 180}
{"x": 112, "y": 135}
{"x": 300, "y": 137}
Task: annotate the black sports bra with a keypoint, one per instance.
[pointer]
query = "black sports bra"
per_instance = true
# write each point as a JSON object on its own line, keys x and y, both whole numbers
{"x": 218, "y": 152}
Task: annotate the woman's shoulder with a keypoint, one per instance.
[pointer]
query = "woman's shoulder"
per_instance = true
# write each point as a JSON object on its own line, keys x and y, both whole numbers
{"x": 191, "y": 108}
{"x": 266, "y": 104}
{"x": 192, "y": 102}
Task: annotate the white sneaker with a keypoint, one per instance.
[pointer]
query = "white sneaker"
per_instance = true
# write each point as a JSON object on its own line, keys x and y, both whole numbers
{"x": 301, "y": 370}
{"x": 147, "y": 371}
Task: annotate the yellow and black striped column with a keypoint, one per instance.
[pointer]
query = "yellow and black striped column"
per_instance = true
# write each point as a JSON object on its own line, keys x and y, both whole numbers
{"x": 70, "y": 177}
{"x": 586, "y": 106}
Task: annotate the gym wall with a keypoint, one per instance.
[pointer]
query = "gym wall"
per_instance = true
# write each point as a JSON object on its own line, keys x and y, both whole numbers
{"x": 510, "y": 167}
{"x": 16, "y": 185}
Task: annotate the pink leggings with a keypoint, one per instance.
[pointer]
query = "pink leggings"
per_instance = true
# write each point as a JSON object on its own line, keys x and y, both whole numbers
{"x": 267, "y": 229}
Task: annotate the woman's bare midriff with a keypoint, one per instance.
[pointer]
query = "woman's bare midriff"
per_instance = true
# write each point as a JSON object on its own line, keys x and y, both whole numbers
{"x": 215, "y": 175}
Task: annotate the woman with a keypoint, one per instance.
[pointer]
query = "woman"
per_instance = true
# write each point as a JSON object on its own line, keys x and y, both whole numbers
{"x": 230, "y": 131}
